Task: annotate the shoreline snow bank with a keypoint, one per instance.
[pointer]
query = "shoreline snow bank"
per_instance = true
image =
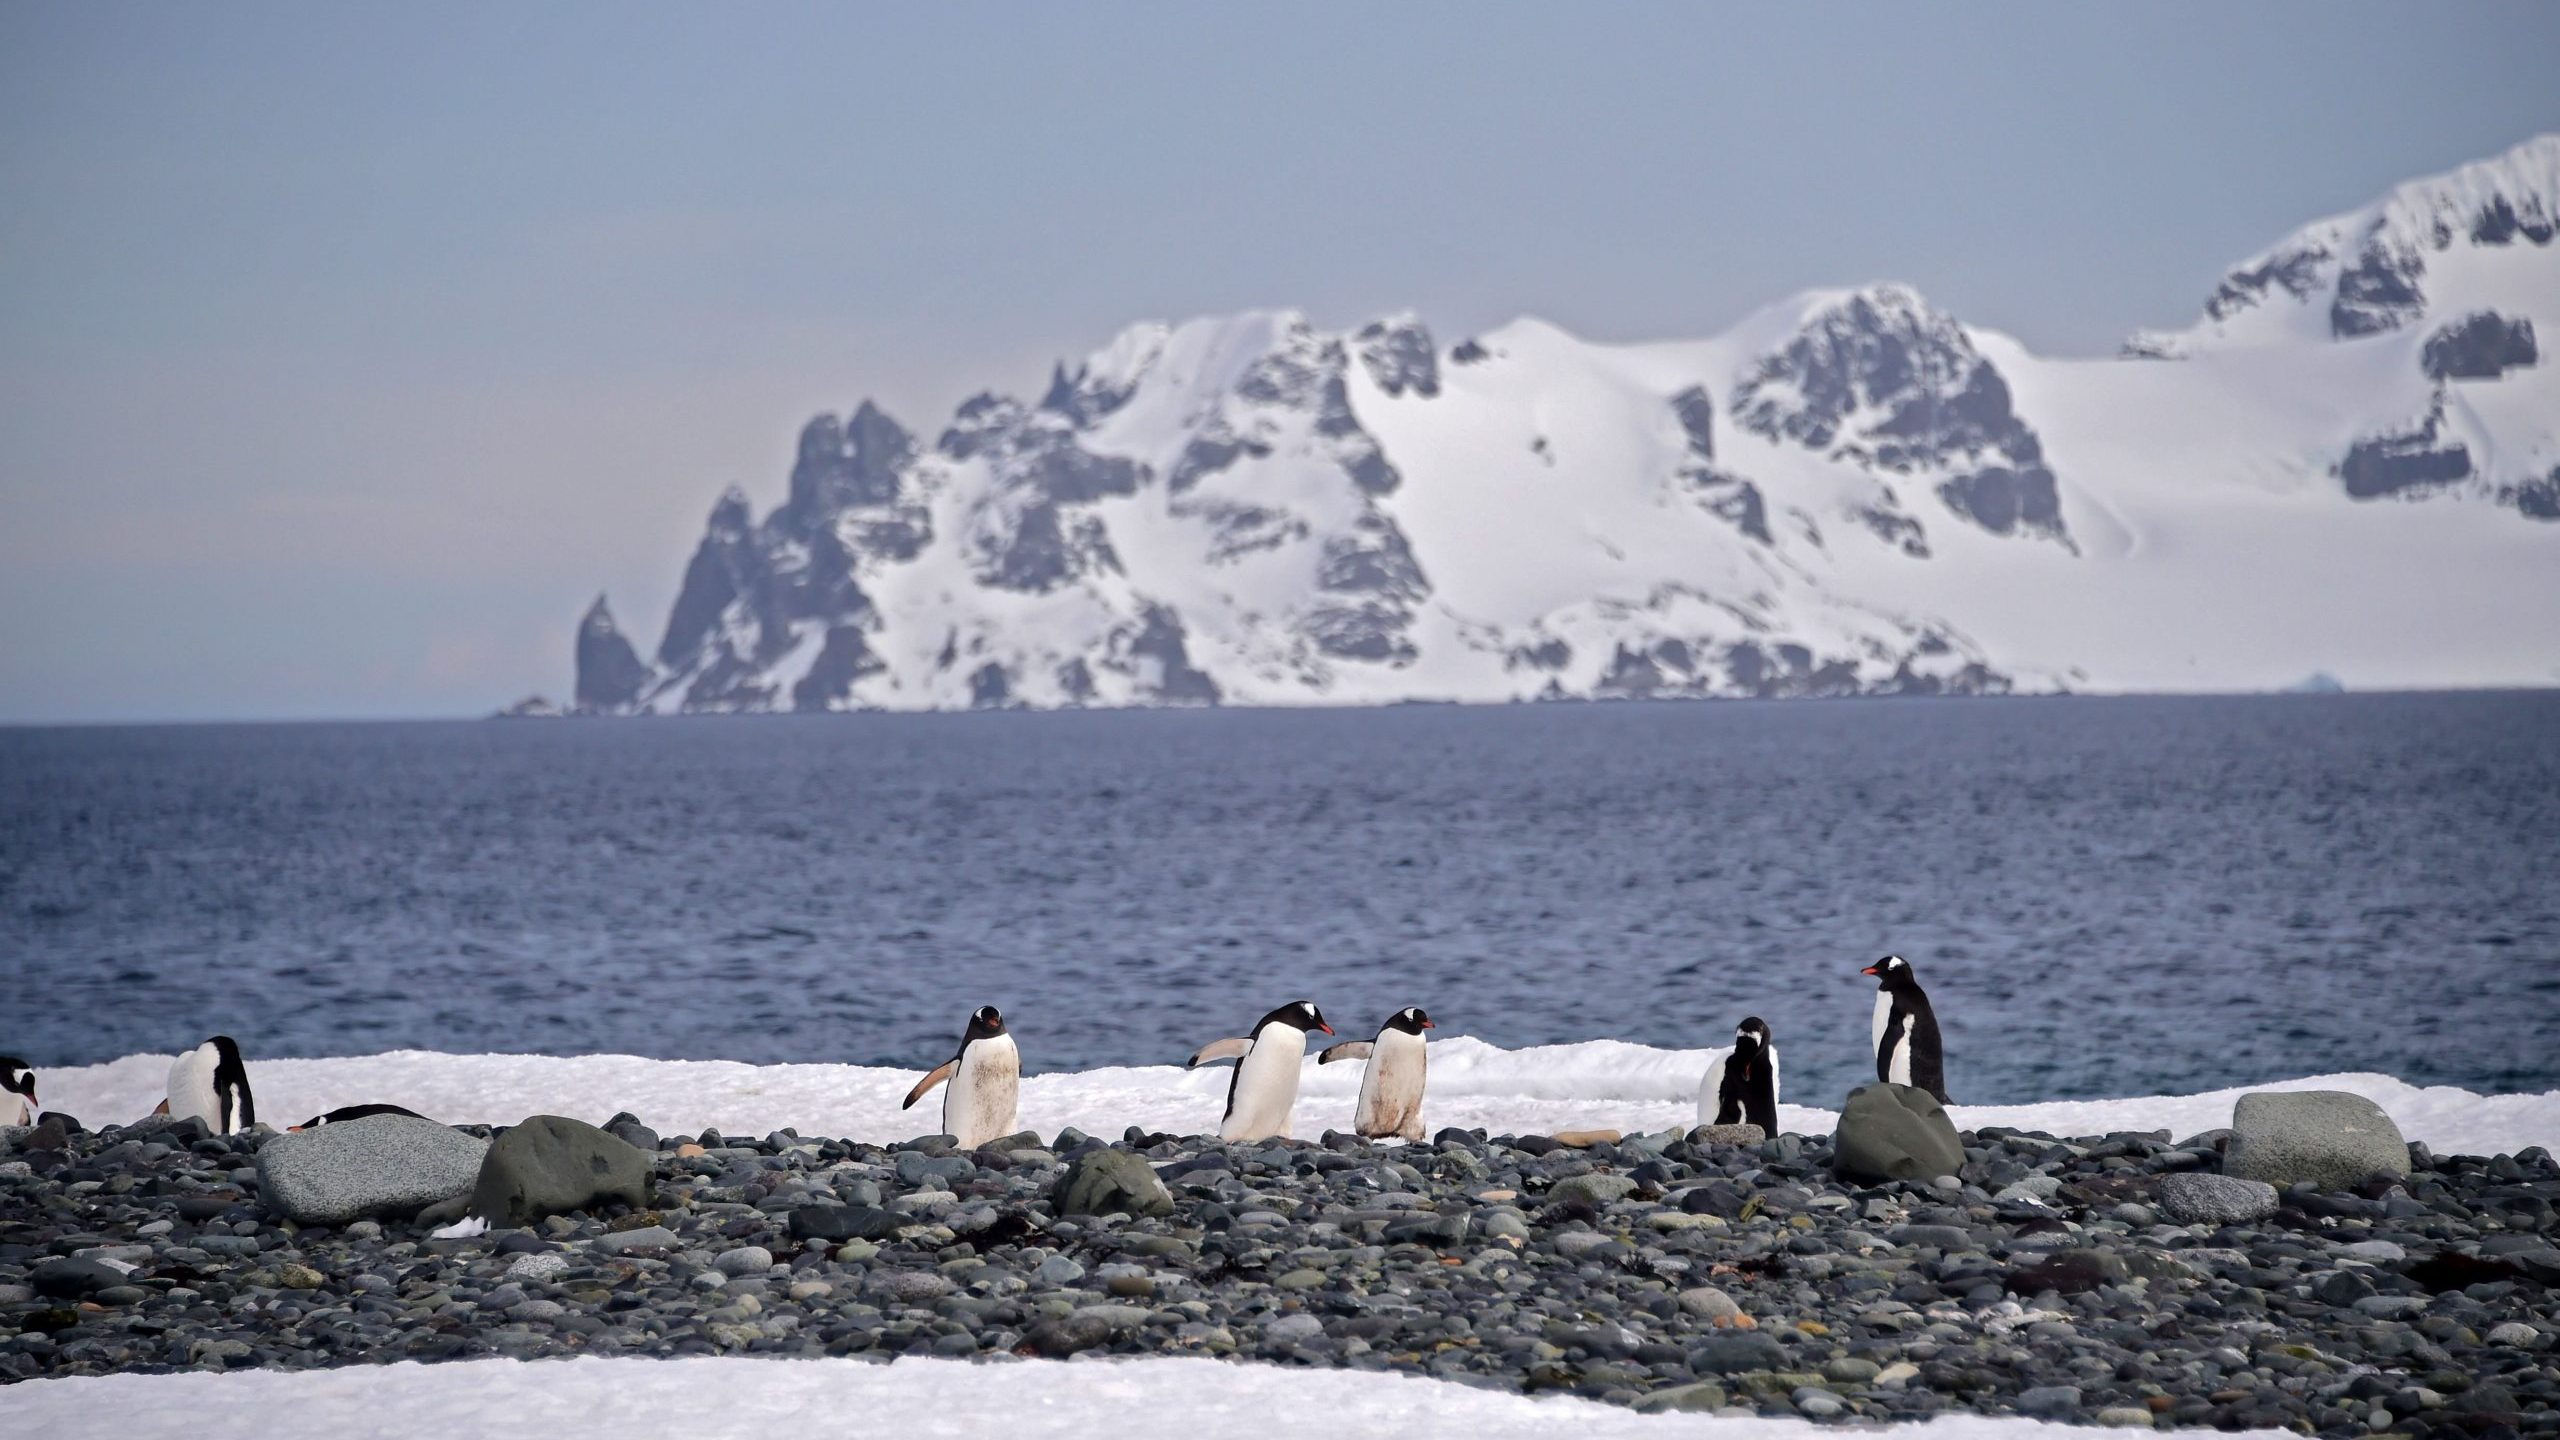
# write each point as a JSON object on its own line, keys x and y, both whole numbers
{"x": 1538, "y": 1090}
{"x": 915, "y": 1399}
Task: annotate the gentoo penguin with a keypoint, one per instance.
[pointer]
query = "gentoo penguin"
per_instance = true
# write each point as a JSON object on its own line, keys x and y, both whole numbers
{"x": 1905, "y": 1030}
{"x": 17, "y": 1092}
{"x": 1391, "y": 1086}
{"x": 984, "y": 1078}
{"x": 1264, "y": 1088}
{"x": 354, "y": 1112}
{"x": 1741, "y": 1087}
{"x": 210, "y": 1084}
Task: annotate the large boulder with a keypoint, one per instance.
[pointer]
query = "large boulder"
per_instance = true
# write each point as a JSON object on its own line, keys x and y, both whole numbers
{"x": 1109, "y": 1181}
{"x": 2332, "y": 1139}
{"x": 377, "y": 1165}
{"x": 1895, "y": 1132}
{"x": 550, "y": 1165}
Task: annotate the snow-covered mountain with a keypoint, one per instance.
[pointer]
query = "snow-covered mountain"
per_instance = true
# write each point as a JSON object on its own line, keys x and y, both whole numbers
{"x": 2349, "y": 465}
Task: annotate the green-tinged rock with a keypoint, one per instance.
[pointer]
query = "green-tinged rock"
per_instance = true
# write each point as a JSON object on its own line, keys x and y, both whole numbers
{"x": 1701, "y": 1396}
{"x": 1113, "y": 1182}
{"x": 1895, "y": 1132}
{"x": 550, "y": 1165}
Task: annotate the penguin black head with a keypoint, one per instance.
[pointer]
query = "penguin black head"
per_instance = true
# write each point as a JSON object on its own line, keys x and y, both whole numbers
{"x": 1892, "y": 973}
{"x": 1298, "y": 1014}
{"x": 18, "y": 1079}
{"x": 984, "y": 1021}
{"x": 1751, "y": 1036}
{"x": 1411, "y": 1020}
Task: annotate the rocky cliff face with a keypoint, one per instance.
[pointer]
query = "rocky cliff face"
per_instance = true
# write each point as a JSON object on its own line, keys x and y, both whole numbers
{"x": 1840, "y": 496}
{"x": 2448, "y": 270}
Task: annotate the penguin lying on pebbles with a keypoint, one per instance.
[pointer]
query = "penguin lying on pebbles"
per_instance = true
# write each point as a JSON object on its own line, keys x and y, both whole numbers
{"x": 1391, "y": 1086}
{"x": 1264, "y": 1088}
{"x": 985, "y": 1077}
{"x": 210, "y": 1084}
{"x": 17, "y": 1092}
{"x": 1741, "y": 1087}
{"x": 354, "y": 1112}
{"x": 1906, "y": 1030}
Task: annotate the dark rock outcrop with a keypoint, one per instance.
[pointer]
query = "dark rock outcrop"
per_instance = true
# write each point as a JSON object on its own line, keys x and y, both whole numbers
{"x": 2381, "y": 291}
{"x": 1399, "y": 356}
{"x": 1882, "y": 379}
{"x": 2480, "y": 346}
{"x": 2406, "y": 460}
{"x": 845, "y": 464}
{"x": 610, "y": 675}
{"x": 1162, "y": 655}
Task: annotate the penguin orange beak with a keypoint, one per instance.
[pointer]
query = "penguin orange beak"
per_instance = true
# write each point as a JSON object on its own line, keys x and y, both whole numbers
{"x": 1430, "y": 1024}
{"x": 1870, "y": 970}
{"x": 1324, "y": 1027}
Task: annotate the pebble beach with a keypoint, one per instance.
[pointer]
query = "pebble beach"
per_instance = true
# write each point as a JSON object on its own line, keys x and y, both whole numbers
{"x": 2118, "y": 1279}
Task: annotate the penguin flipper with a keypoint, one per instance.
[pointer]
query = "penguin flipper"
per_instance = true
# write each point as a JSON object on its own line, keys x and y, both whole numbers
{"x": 1232, "y": 1048}
{"x": 940, "y": 1073}
{"x": 1347, "y": 1050}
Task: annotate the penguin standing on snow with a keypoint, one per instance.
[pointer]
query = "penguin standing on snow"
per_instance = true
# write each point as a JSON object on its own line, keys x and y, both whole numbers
{"x": 985, "y": 1078}
{"x": 1391, "y": 1086}
{"x": 1264, "y": 1089}
{"x": 17, "y": 1092}
{"x": 1741, "y": 1087}
{"x": 210, "y": 1084}
{"x": 1906, "y": 1030}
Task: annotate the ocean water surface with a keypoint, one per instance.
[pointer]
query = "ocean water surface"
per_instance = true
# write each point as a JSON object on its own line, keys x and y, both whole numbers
{"x": 2103, "y": 896}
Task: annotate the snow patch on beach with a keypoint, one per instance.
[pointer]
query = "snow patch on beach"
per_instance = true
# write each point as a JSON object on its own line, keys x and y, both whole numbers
{"x": 914, "y": 1399}
{"x": 1538, "y": 1090}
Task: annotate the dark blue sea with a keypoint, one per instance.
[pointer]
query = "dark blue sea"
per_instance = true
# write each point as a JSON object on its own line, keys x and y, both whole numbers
{"x": 2103, "y": 896}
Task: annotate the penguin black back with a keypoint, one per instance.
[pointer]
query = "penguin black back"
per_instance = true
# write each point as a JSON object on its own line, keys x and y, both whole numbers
{"x": 345, "y": 1113}
{"x": 231, "y": 1085}
{"x": 1906, "y": 1031}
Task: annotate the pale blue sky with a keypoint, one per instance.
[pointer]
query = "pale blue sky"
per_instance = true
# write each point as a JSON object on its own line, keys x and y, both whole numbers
{"x": 346, "y": 350}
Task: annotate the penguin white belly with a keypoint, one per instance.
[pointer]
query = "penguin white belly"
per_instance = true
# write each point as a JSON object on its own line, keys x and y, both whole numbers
{"x": 191, "y": 1094}
{"x": 1265, "y": 1089}
{"x": 1900, "y": 1070}
{"x": 978, "y": 1105}
{"x": 1711, "y": 1089}
{"x": 1391, "y": 1088}
{"x": 1884, "y": 1017}
{"x": 14, "y": 1110}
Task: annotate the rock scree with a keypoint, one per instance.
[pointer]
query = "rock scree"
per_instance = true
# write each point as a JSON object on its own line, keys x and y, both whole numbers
{"x": 2054, "y": 1278}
